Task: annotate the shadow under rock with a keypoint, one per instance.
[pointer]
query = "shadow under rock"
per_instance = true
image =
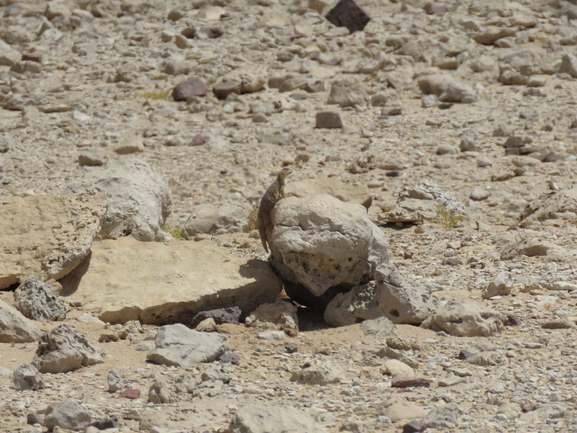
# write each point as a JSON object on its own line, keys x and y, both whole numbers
{"x": 71, "y": 281}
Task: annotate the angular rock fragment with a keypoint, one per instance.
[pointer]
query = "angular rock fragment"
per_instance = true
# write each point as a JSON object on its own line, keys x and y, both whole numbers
{"x": 447, "y": 89}
{"x": 15, "y": 328}
{"x": 347, "y": 93}
{"x": 68, "y": 415}
{"x": 551, "y": 205}
{"x": 219, "y": 315}
{"x": 188, "y": 89}
{"x": 328, "y": 120}
{"x": 115, "y": 381}
{"x": 47, "y": 236}
{"x": 381, "y": 327}
{"x": 209, "y": 219}
{"x": 500, "y": 286}
{"x": 64, "y": 349}
{"x": 465, "y": 319}
{"x": 263, "y": 418}
{"x": 348, "y": 13}
{"x": 391, "y": 294}
{"x": 28, "y": 377}
{"x": 443, "y": 417}
{"x": 316, "y": 371}
{"x": 180, "y": 346}
{"x": 36, "y": 300}
{"x": 279, "y": 315}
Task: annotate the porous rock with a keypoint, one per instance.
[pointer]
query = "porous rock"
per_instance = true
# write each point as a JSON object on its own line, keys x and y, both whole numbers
{"x": 215, "y": 220}
{"x": 321, "y": 242}
{"x": 28, "y": 377}
{"x": 421, "y": 203}
{"x": 64, "y": 349}
{"x": 36, "y": 300}
{"x": 447, "y": 89}
{"x": 46, "y": 236}
{"x": 180, "y": 346}
{"x": 14, "y": 327}
{"x": 279, "y": 315}
{"x": 392, "y": 294}
{"x": 139, "y": 200}
{"x": 68, "y": 415}
{"x": 316, "y": 371}
{"x": 465, "y": 319}
{"x": 155, "y": 283}
{"x": 263, "y": 418}
{"x": 551, "y": 205}
{"x": 359, "y": 194}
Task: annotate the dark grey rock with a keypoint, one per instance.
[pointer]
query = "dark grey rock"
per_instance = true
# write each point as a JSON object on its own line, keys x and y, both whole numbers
{"x": 28, "y": 377}
{"x": 348, "y": 13}
{"x": 36, "y": 300}
{"x": 329, "y": 119}
{"x": 115, "y": 381}
{"x": 68, "y": 415}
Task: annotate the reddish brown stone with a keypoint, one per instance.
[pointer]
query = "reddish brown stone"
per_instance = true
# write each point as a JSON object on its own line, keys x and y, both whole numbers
{"x": 198, "y": 140}
{"x": 130, "y": 393}
{"x": 511, "y": 319}
{"x": 529, "y": 407}
{"x": 188, "y": 89}
{"x": 410, "y": 382}
{"x": 33, "y": 57}
{"x": 347, "y": 13}
{"x": 439, "y": 10}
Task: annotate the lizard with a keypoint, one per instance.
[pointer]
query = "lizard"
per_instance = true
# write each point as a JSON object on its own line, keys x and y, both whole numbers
{"x": 272, "y": 195}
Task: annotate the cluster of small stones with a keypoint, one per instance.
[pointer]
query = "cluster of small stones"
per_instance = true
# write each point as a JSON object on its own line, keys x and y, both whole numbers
{"x": 84, "y": 83}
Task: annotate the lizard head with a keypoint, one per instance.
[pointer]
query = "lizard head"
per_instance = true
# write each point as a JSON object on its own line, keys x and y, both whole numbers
{"x": 283, "y": 174}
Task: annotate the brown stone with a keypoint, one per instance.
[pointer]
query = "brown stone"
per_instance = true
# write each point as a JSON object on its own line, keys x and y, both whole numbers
{"x": 131, "y": 393}
{"x": 225, "y": 88}
{"x": 188, "y": 89}
{"x": 198, "y": 140}
{"x": 33, "y": 57}
{"x": 348, "y": 13}
{"x": 409, "y": 382}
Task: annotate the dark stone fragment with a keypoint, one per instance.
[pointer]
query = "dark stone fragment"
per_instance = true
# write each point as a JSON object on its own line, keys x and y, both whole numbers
{"x": 188, "y": 89}
{"x": 511, "y": 319}
{"x": 414, "y": 427}
{"x": 229, "y": 358}
{"x": 198, "y": 140}
{"x": 219, "y": 315}
{"x": 438, "y": 10}
{"x": 213, "y": 32}
{"x": 409, "y": 382}
{"x": 464, "y": 354}
{"x": 105, "y": 424}
{"x": 130, "y": 393}
{"x": 347, "y": 13}
{"x": 513, "y": 151}
{"x": 514, "y": 142}
{"x": 34, "y": 418}
{"x": 33, "y": 57}
{"x": 452, "y": 261}
{"x": 222, "y": 90}
{"x": 394, "y": 173}
{"x": 552, "y": 157}
{"x": 291, "y": 348}
{"x": 188, "y": 32}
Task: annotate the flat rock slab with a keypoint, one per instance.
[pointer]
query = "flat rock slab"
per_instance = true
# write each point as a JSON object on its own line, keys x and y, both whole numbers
{"x": 46, "y": 236}
{"x": 359, "y": 194}
{"x": 160, "y": 283}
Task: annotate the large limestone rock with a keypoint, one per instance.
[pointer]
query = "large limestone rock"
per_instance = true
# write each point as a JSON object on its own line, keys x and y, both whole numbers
{"x": 64, "y": 349}
{"x": 551, "y": 205}
{"x": 392, "y": 294}
{"x": 36, "y": 300}
{"x": 262, "y": 418}
{"x": 359, "y": 194}
{"x": 28, "y": 377}
{"x": 159, "y": 283}
{"x": 422, "y": 203}
{"x": 68, "y": 415}
{"x": 321, "y": 242}
{"x": 15, "y": 328}
{"x": 46, "y": 236}
{"x": 215, "y": 220}
{"x": 466, "y": 319}
{"x": 348, "y": 93}
{"x": 180, "y": 346}
{"x": 139, "y": 200}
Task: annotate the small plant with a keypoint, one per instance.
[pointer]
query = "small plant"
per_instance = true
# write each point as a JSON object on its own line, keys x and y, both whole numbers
{"x": 157, "y": 95}
{"x": 176, "y": 232}
{"x": 449, "y": 218}
{"x": 252, "y": 219}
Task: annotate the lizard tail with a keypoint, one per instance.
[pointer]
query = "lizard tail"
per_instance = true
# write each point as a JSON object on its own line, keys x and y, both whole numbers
{"x": 262, "y": 232}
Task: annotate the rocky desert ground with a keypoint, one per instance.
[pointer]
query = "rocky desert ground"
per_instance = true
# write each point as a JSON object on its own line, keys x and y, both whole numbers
{"x": 423, "y": 266}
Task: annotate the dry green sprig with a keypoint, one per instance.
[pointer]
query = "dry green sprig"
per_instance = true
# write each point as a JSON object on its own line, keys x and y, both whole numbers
{"x": 448, "y": 218}
{"x": 252, "y": 219}
{"x": 156, "y": 95}
{"x": 176, "y": 232}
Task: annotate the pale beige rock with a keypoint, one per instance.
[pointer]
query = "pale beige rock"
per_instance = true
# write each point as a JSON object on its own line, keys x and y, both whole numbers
{"x": 398, "y": 409}
{"x": 154, "y": 282}
{"x": 47, "y": 236}
{"x": 347, "y": 193}
{"x": 280, "y": 315}
{"x": 395, "y": 367}
{"x": 15, "y": 328}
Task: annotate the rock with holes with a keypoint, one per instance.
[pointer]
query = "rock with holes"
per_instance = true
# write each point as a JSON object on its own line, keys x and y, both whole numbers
{"x": 64, "y": 349}
{"x": 36, "y": 300}
{"x": 319, "y": 242}
{"x": 466, "y": 319}
{"x": 139, "y": 200}
{"x": 392, "y": 294}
